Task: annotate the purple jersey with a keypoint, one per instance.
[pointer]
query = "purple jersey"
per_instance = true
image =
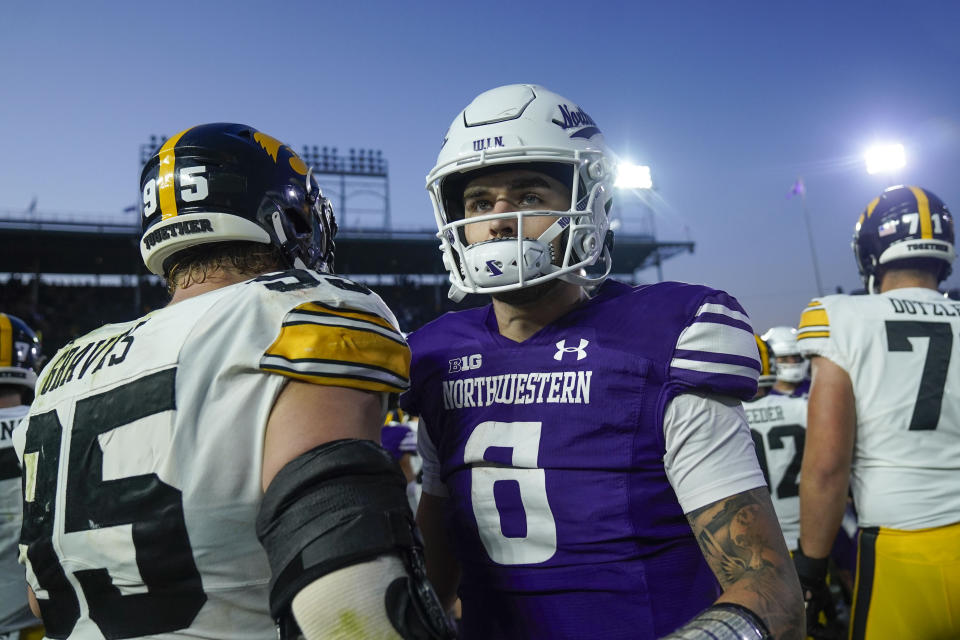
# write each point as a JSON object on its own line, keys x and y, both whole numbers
{"x": 552, "y": 453}
{"x": 398, "y": 439}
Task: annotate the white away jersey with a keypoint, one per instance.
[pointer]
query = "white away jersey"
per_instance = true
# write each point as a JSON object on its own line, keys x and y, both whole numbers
{"x": 902, "y": 352}
{"x": 143, "y": 452}
{"x": 14, "y": 610}
{"x": 779, "y": 428}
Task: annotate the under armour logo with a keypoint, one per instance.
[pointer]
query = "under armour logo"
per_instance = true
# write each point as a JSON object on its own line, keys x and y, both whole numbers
{"x": 562, "y": 348}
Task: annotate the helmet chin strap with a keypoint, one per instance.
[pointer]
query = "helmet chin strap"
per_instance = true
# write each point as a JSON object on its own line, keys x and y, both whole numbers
{"x": 456, "y": 294}
{"x": 554, "y": 230}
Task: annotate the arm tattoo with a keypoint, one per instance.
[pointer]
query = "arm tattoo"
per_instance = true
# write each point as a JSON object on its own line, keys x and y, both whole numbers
{"x": 727, "y": 534}
{"x": 743, "y": 544}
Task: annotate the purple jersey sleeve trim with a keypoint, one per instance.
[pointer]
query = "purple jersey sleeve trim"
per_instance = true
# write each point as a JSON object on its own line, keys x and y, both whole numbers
{"x": 722, "y": 297}
{"x": 742, "y": 387}
{"x": 726, "y": 358}
{"x": 719, "y": 318}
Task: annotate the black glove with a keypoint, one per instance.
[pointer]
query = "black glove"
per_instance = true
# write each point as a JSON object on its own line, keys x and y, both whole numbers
{"x": 816, "y": 595}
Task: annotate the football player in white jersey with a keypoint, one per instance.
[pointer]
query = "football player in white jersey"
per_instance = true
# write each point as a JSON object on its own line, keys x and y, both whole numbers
{"x": 210, "y": 470}
{"x": 792, "y": 377}
{"x": 884, "y": 418}
{"x": 19, "y": 357}
{"x": 778, "y": 424}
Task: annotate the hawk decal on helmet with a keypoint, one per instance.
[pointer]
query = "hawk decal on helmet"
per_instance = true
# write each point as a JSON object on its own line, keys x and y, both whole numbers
{"x": 226, "y": 182}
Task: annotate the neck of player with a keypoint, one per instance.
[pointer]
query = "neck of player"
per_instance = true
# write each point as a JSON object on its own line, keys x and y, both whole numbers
{"x": 784, "y": 387}
{"x": 518, "y": 319}
{"x": 214, "y": 280}
{"x": 907, "y": 278}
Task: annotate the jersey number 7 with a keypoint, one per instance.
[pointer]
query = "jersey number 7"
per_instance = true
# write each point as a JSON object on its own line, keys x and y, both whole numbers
{"x": 926, "y": 410}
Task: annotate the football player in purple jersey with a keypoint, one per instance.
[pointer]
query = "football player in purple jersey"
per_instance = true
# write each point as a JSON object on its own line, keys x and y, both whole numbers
{"x": 588, "y": 471}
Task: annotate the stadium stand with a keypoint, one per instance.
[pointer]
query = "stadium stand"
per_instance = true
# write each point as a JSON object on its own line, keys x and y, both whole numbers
{"x": 43, "y": 261}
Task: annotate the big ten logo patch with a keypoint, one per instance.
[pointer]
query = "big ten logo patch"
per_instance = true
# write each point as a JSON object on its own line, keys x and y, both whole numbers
{"x": 466, "y": 363}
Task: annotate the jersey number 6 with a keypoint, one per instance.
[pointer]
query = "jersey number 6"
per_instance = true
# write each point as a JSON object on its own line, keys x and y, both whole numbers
{"x": 519, "y": 484}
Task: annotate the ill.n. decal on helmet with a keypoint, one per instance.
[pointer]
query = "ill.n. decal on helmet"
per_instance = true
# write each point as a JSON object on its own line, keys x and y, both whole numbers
{"x": 221, "y": 182}
{"x": 529, "y": 127}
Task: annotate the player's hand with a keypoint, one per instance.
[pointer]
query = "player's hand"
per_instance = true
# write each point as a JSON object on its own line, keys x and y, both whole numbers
{"x": 821, "y": 613}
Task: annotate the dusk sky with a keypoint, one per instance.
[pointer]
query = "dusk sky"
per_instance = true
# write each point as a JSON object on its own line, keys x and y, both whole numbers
{"x": 728, "y": 102}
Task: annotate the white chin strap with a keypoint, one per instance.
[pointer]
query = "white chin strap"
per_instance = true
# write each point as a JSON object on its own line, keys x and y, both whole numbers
{"x": 792, "y": 372}
{"x": 512, "y": 261}
{"x": 496, "y": 263}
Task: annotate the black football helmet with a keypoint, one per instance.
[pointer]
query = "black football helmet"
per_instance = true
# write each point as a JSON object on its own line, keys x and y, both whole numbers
{"x": 903, "y": 223}
{"x": 19, "y": 354}
{"x": 221, "y": 182}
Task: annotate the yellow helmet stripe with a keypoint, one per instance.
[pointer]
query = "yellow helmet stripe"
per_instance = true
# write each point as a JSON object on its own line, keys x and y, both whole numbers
{"x": 923, "y": 208}
{"x": 873, "y": 205}
{"x": 165, "y": 180}
{"x": 6, "y": 341}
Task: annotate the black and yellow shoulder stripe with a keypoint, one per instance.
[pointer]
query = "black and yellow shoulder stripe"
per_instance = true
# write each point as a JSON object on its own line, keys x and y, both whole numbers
{"x": 343, "y": 347}
{"x": 814, "y": 322}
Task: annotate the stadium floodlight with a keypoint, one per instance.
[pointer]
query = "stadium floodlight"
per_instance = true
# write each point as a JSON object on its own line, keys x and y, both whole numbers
{"x": 633, "y": 176}
{"x": 886, "y": 158}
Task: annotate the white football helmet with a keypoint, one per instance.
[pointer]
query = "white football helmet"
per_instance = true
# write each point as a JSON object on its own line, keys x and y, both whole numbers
{"x": 783, "y": 342}
{"x": 515, "y": 125}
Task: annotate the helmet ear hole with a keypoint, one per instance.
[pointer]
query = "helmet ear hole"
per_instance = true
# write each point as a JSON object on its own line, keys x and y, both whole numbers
{"x": 299, "y": 224}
